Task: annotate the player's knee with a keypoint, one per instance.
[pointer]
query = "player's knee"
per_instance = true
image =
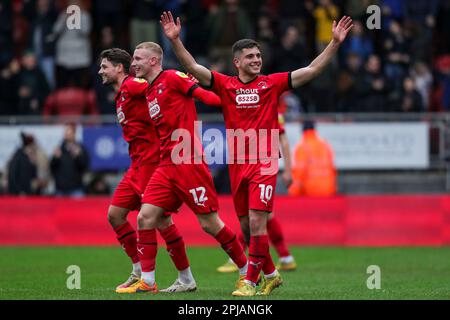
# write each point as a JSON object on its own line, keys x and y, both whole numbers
{"x": 258, "y": 224}
{"x": 146, "y": 220}
{"x": 165, "y": 222}
{"x": 116, "y": 217}
{"x": 210, "y": 223}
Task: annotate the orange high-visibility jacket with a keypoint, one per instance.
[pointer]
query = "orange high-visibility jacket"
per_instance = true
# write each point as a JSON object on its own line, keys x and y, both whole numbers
{"x": 313, "y": 170}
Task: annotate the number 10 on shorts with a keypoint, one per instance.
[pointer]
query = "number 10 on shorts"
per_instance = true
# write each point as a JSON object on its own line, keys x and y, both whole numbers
{"x": 266, "y": 193}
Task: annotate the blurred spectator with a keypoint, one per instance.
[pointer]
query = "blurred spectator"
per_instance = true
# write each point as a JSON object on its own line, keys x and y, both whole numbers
{"x": 177, "y": 9}
{"x": 347, "y": 99}
{"x": 267, "y": 40}
{"x": 21, "y": 27}
{"x": 73, "y": 48}
{"x": 411, "y": 99}
{"x": 391, "y": 10}
{"x": 371, "y": 88}
{"x": 69, "y": 163}
{"x": 108, "y": 14}
{"x": 289, "y": 55}
{"x": 324, "y": 13}
{"x": 299, "y": 14}
{"x": 107, "y": 40}
{"x": 313, "y": 169}
{"x": 71, "y": 101}
{"x": 396, "y": 51}
{"x": 9, "y": 88}
{"x": 196, "y": 37}
{"x": 443, "y": 78}
{"x": 290, "y": 106}
{"x": 6, "y": 31}
{"x": 33, "y": 86}
{"x": 358, "y": 42}
{"x": 144, "y": 24}
{"x": 357, "y": 8}
{"x": 98, "y": 186}
{"x": 421, "y": 14}
{"x": 41, "y": 40}
{"x": 28, "y": 169}
{"x": 423, "y": 80}
{"x": 226, "y": 25}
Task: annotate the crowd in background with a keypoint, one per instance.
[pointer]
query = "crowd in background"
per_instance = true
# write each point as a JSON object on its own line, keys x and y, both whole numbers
{"x": 47, "y": 69}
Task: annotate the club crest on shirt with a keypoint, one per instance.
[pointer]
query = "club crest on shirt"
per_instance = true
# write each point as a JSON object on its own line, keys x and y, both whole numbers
{"x": 262, "y": 85}
{"x": 160, "y": 89}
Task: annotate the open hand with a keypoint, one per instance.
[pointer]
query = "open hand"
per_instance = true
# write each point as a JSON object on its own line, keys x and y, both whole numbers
{"x": 170, "y": 27}
{"x": 341, "y": 30}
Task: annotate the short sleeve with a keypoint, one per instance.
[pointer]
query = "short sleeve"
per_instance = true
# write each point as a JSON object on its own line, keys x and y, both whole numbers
{"x": 137, "y": 86}
{"x": 182, "y": 83}
{"x": 282, "y": 81}
{"x": 217, "y": 81}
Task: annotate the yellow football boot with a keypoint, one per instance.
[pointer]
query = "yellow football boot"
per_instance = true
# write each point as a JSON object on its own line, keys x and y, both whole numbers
{"x": 244, "y": 290}
{"x": 138, "y": 287}
{"x": 286, "y": 266}
{"x": 269, "y": 284}
{"x": 228, "y": 267}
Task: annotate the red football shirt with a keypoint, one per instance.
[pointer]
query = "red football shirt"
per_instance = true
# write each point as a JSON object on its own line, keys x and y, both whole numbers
{"x": 252, "y": 107}
{"x": 172, "y": 110}
{"x": 137, "y": 128}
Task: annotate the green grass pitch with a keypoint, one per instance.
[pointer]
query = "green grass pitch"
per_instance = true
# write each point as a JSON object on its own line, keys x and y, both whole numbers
{"x": 323, "y": 273}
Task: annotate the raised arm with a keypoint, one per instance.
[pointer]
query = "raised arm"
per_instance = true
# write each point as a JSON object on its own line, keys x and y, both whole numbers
{"x": 172, "y": 31}
{"x": 340, "y": 31}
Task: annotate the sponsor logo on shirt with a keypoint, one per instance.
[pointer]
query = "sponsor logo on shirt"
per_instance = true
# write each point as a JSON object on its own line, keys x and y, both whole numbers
{"x": 247, "y": 98}
{"x": 120, "y": 115}
{"x": 154, "y": 109}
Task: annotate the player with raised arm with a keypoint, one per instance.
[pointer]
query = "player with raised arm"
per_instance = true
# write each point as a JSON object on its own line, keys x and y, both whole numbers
{"x": 250, "y": 102}
{"x": 286, "y": 261}
{"x": 139, "y": 132}
{"x": 182, "y": 175}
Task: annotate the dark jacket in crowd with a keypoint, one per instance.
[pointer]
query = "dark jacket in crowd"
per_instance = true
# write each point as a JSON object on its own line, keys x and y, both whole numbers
{"x": 21, "y": 173}
{"x": 68, "y": 169}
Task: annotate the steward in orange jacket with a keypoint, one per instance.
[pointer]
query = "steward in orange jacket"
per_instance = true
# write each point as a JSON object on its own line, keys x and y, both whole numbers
{"x": 313, "y": 170}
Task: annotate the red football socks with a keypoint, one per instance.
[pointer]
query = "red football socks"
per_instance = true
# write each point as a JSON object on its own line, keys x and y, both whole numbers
{"x": 241, "y": 239}
{"x": 276, "y": 237}
{"x": 126, "y": 235}
{"x": 147, "y": 248}
{"x": 175, "y": 247}
{"x": 258, "y": 251}
{"x": 232, "y": 247}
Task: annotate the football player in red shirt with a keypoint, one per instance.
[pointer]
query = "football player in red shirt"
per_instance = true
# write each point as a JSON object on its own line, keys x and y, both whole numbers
{"x": 182, "y": 175}
{"x": 250, "y": 104}
{"x": 139, "y": 132}
{"x": 286, "y": 261}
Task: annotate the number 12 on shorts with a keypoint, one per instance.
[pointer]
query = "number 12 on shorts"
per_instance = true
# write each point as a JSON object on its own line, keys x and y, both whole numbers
{"x": 199, "y": 195}
{"x": 266, "y": 193}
